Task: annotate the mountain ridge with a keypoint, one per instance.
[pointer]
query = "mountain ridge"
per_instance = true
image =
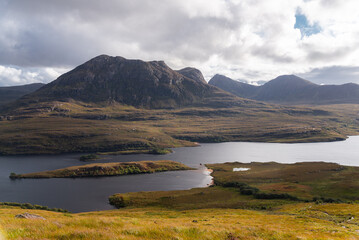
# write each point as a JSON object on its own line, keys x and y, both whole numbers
{"x": 133, "y": 82}
{"x": 290, "y": 89}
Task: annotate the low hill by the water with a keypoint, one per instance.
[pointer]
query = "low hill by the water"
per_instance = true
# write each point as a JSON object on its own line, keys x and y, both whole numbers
{"x": 107, "y": 169}
{"x": 290, "y": 89}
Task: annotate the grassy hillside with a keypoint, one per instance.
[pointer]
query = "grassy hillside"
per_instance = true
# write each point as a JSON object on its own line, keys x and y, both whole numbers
{"x": 294, "y": 221}
{"x": 60, "y": 127}
{"x": 107, "y": 169}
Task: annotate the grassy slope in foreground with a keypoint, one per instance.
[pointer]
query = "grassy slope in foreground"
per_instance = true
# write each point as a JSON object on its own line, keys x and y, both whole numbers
{"x": 293, "y": 221}
{"x": 107, "y": 169}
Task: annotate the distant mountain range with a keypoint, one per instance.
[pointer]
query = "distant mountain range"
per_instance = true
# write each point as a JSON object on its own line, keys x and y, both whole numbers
{"x": 9, "y": 94}
{"x": 106, "y": 79}
{"x": 290, "y": 89}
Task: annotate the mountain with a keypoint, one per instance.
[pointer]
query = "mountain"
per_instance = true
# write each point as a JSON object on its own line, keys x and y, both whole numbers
{"x": 116, "y": 105}
{"x": 235, "y": 87}
{"x": 106, "y": 79}
{"x": 290, "y": 89}
{"x": 9, "y": 94}
{"x": 192, "y": 73}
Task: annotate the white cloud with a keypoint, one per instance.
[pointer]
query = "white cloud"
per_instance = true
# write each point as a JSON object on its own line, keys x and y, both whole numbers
{"x": 11, "y": 76}
{"x": 246, "y": 39}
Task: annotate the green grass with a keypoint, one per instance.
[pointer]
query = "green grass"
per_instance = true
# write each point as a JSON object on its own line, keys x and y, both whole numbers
{"x": 107, "y": 169}
{"x": 306, "y": 180}
{"x": 31, "y": 206}
{"x": 197, "y": 198}
{"x": 89, "y": 157}
{"x": 264, "y": 186}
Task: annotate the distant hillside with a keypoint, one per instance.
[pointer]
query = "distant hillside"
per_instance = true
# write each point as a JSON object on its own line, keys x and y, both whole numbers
{"x": 10, "y": 94}
{"x": 106, "y": 79}
{"x": 290, "y": 89}
{"x": 238, "y": 88}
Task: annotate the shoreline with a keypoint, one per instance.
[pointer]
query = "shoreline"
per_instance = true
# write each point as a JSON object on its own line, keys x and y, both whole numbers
{"x": 95, "y": 170}
{"x": 170, "y": 149}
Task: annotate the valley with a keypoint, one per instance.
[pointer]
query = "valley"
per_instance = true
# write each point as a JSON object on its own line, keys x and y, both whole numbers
{"x": 120, "y": 112}
{"x": 65, "y": 127}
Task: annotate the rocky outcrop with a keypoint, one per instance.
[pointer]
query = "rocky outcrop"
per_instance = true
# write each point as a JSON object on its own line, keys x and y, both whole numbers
{"x": 29, "y": 216}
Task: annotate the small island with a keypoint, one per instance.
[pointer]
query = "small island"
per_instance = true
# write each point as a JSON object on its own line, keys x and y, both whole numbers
{"x": 107, "y": 169}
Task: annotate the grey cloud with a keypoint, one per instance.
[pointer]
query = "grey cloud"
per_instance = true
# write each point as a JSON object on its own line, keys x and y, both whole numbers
{"x": 38, "y": 34}
{"x": 66, "y": 33}
{"x": 269, "y": 52}
{"x": 333, "y": 75}
{"x": 315, "y": 55}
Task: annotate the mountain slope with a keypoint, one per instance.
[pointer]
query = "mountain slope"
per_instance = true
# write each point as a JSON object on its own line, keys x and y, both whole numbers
{"x": 9, "y": 94}
{"x": 290, "y": 89}
{"x": 106, "y": 79}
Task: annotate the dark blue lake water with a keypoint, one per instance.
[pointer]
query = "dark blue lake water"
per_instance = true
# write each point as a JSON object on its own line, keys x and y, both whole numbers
{"x": 89, "y": 194}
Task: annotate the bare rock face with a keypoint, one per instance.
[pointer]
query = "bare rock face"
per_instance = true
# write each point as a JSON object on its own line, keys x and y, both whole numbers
{"x": 106, "y": 79}
{"x": 29, "y": 216}
{"x": 192, "y": 73}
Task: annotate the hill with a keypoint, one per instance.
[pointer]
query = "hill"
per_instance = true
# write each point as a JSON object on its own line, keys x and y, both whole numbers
{"x": 235, "y": 87}
{"x": 290, "y": 89}
{"x": 105, "y": 79}
{"x": 111, "y": 104}
{"x": 10, "y": 94}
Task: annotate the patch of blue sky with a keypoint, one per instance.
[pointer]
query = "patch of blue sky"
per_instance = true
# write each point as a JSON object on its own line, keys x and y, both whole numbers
{"x": 306, "y": 29}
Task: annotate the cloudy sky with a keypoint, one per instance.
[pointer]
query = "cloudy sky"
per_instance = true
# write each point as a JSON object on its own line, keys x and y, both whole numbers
{"x": 243, "y": 39}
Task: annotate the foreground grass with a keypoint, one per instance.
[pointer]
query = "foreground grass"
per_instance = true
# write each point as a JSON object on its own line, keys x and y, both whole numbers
{"x": 107, "y": 169}
{"x": 295, "y": 221}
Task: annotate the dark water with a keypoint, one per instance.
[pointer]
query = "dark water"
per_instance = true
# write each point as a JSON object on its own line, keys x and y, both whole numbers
{"x": 88, "y": 194}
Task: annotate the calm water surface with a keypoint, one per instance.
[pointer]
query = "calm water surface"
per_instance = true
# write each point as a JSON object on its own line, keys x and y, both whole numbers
{"x": 88, "y": 194}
